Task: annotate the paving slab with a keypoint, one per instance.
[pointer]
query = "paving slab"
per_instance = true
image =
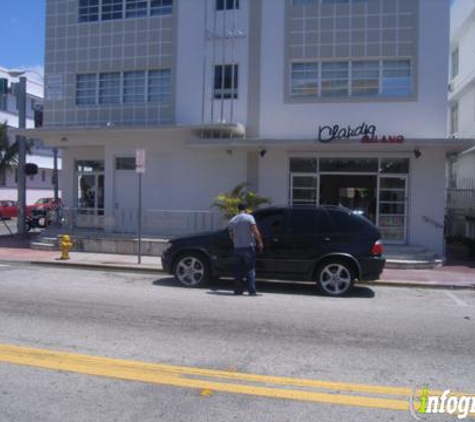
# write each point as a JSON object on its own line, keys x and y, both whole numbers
{"x": 457, "y": 275}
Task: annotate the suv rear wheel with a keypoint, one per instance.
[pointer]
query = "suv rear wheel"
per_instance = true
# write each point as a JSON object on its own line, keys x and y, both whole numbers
{"x": 192, "y": 270}
{"x": 335, "y": 278}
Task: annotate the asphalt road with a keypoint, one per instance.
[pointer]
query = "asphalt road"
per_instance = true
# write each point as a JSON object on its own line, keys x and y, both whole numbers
{"x": 381, "y": 337}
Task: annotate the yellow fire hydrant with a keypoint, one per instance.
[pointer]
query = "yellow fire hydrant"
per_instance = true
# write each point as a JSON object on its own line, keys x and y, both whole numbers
{"x": 65, "y": 245}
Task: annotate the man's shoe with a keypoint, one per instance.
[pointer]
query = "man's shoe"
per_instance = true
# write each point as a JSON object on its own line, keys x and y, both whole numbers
{"x": 253, "y": 294}
{"x": 238, "y": 293}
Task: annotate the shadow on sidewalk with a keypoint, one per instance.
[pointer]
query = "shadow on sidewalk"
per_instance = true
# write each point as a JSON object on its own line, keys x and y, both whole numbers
{"x": 17, "y": 241}
{"x": 225, "y": 287}
{"x": 458, "y": 255}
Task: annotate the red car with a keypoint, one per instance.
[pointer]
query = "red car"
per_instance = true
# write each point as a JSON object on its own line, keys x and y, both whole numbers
{"x": 8, "y": 209}
{"x": 44, "y": 204}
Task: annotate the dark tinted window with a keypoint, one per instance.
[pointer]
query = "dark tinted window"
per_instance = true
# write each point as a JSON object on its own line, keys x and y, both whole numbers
{"x": 270, "y": 222}
{"x": 227, "y": 4}
{"x": 309, "y": 221}
{"x": 347, "y": 222}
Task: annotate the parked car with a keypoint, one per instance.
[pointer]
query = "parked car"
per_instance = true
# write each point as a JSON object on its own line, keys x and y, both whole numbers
{"x": 329, "y": 245}
{"x": 46, "y": 204}
{"x": 8, "y": 209}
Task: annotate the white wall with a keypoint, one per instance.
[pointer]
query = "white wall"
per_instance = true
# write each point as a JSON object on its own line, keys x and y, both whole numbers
{"x": 427, "y": 198}
{"x": 191, "y": 52}
{"x": 424, "y": 118}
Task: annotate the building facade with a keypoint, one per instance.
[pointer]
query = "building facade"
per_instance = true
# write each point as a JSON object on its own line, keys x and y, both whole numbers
{"x": 309, "y": 101}
{"x": 40, "y": 185}
{"x": 462, "y": 89}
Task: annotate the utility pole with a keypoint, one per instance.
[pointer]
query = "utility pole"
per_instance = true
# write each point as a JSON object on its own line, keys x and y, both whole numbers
{"x": 21, "y": 105}
{"x": 55, "y": 185}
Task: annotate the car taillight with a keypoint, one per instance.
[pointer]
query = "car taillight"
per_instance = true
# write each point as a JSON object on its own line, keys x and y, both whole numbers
{"x": 377, "y": 248}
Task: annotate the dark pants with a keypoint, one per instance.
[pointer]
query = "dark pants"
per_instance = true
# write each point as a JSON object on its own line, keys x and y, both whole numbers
{"x": 245, "y": 265}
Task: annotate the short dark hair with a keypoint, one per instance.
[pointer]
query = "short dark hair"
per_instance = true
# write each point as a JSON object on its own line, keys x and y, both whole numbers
{"x": 242, "y": 206}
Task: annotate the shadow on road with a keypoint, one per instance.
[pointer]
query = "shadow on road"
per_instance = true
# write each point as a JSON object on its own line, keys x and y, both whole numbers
{"x": 224, "y": 287}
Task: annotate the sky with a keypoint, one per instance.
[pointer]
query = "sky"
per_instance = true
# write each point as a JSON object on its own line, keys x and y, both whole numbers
{"x": 22, "y": 32}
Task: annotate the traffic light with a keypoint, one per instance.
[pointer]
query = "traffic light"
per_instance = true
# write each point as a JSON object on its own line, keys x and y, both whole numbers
{"x": 38, "y": 110}
{"x": 3, "y": 86}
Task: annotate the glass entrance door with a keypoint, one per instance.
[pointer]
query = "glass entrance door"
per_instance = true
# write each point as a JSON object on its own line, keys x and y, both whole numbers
{"x": 303, "y": 189}
{"x": 90, "y": 187}
{"x": 392, "y": 208}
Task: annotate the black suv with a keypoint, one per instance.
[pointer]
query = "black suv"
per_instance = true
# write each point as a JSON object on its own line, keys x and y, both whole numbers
{"x": 330, "y": 245}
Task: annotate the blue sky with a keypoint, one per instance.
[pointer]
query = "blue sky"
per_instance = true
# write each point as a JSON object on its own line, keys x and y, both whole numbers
{"x": 22, "y": 33}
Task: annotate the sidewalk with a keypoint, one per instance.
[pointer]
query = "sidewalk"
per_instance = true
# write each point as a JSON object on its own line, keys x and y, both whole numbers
{"x": 455, "y": 275}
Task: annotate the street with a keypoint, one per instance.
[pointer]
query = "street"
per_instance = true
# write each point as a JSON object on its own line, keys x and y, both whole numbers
{"x": 338, "y": 356}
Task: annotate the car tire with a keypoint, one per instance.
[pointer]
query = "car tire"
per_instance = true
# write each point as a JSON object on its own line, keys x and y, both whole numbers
{"x": 192, "y": 270}
{"x": 335, "y": 277}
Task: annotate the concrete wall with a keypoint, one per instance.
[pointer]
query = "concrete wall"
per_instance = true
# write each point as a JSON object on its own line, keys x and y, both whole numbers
{"x": 427, "y": 198}
{"x": 423, "y": 118}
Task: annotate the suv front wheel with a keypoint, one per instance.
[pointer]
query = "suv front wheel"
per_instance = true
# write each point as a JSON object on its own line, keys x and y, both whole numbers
{"x": 335, "y": 278}
{"x": 192, "y": 270}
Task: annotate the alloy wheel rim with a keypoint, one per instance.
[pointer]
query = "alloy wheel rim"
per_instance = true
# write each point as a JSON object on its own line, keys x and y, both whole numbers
{"x": 335, "y": 279}
{"x": 190, "y": 271}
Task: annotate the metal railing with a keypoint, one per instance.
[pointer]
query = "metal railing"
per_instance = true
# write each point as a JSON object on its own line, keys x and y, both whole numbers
{"x": 155, "y": 223}
{"x": 460, "y": 198}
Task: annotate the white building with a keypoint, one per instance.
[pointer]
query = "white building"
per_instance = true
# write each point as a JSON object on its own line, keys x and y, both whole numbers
{"x": 462, "y": 88}
{"x": 40, "y": 185}
{"x": 223, "y": 91}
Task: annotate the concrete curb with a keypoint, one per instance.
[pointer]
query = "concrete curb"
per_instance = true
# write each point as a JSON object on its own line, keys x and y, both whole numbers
{"x": 416, "y": 284}
{"x": 157, "y": 270}
{"x": 87, "y": 266}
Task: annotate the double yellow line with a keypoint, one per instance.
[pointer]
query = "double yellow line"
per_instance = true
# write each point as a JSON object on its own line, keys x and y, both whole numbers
{"x": 360, "y": 395}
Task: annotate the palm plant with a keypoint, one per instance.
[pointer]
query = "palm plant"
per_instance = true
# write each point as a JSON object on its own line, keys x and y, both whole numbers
{"x": 228, "y": 202}
{"x": 8, "y": 151}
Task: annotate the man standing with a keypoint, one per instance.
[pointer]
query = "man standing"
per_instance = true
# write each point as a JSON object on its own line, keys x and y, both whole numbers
{"x": 245, "y": 234}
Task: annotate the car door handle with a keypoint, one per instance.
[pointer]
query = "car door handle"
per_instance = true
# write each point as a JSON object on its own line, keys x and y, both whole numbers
{"x": 326, "y": 239}
{"x": 275, "y": 240}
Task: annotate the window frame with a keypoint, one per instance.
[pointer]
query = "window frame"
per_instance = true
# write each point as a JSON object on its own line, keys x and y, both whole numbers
{"x": 226, "y": 86}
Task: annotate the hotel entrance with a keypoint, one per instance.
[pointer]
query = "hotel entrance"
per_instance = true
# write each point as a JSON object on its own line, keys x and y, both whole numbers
{"x": 373, "y": 187}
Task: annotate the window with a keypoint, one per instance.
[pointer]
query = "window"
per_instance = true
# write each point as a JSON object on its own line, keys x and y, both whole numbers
{"x": 86, "y": 86}
{"x": 303, "y": 165}
{"x": 125, "y": 163}
{"x": 394, "y": 165}
{"x": 335, "y": 79}
{"x": 111, "y": 9}
{"x": 396, "y": 78}
{"x": 304, "y": 79}
{"x": 161, "y": 7}
{"x": 365, "y": 78}
{"x": 134, "y": 87}
{"x": 347, "y": 222}
{"x": 227, "y": 4}
{"x": 370, "y": 78}
{"x": 43, "y": 175}
{"x": 349, "y": 165}
{"x": 109, "y": 88}
{"x": 226, "y": 81}
{"x": 309, "y": 221}
{"x": 3, "y": 178}
{"x": 455, "y": 63}
{"x": 270, "y": 222}
{"x": 88, "y": 10}
{"x": 135, "y": 8}
{"x": 454, "y": 119}
{"x": 159, "y": 86}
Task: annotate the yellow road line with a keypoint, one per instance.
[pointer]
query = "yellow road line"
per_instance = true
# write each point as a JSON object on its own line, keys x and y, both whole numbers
{"x": 177, "y": 376}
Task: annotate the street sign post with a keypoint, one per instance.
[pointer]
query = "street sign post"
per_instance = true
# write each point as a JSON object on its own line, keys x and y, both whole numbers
{"x": 140, "y": 169}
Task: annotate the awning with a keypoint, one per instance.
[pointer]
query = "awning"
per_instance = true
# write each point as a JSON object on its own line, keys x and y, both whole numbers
{"x": 451, "y": 145}
{"x": 98, "y": 135}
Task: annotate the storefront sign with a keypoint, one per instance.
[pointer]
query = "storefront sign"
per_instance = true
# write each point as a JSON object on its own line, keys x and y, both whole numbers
{"x": 383, "y": 139}
{"x": 329, "y": 133}
{"x": 367, "y": 134}
{"x": 140, "y": 160}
